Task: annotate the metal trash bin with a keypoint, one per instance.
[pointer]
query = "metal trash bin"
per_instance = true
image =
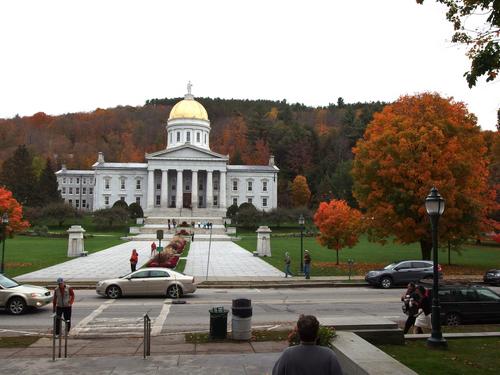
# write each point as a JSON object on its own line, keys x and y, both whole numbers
{"x": 218, "y": 323}
{"x": 241, "y": 323}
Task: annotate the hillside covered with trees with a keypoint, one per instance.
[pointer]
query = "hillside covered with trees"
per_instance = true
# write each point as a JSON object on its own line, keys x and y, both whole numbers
{"x": 313, "y": 142}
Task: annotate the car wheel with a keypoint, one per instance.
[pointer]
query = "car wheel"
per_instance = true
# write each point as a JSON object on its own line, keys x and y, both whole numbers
{"x": 174, "y": 291}
{"x": 386, "y": 282}
{"x": 113, "y": 291}
{"x": 453, "y": 319}
{"x": 16, "y": 306}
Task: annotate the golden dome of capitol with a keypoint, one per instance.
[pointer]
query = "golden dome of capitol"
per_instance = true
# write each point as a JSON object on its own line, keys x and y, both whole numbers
{"x": 188, "y": 108}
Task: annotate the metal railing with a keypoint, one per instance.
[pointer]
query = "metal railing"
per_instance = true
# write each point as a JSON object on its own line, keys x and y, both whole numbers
{"x": 57, "y": 321}
{"x": 147, "y": 335}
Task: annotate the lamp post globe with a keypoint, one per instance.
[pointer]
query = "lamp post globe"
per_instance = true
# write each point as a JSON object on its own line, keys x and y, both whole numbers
{"x": 5, "y": 222}
{"x": 301, "y": 223}
{"x": 434, "y": 205}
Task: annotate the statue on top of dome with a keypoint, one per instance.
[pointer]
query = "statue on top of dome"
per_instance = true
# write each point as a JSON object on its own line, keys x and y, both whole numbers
{"x": 189, "y": 85}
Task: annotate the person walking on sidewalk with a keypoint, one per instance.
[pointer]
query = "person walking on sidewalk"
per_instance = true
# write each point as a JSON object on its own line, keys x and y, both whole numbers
{"x": 288, "y": 261}
{"x": 134, "y": 258}
{"x": 64, "y": 296}
{"x": 153, "y": 249}
{"x": 410, "y": 300}
{"x": 307, "y": 264}
{"x": 307, "y": 358}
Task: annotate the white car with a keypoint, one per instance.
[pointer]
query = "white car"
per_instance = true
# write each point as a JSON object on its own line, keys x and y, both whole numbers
{"x": 148, "y": 282}
{"x": 16, "y": 298}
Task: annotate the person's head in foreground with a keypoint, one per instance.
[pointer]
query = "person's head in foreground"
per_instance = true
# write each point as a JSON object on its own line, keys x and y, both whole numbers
{"x": 308, "y": 327}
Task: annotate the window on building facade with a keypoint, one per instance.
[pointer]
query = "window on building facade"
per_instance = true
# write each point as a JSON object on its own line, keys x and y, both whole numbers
{"x": 84, "y": 181}
{"x": 84, "y": 203}
{"x": 64, "y": 180}
{"x": 122, "y": 183}
{"x": 216, "y": 200}
{"x": 157, "y": 200}
{"x": 172, "y": 201}
{"x": 77, "y": 180}
{"x": 171, "y": 137}
{"x": 235, "y": 185}
{"x": 71, "y": 180}
{"x": 178, "y": 136}
{"x": 188, "y": 136}
{"x": 158, "y": 186}
{"x": 138, "y": 200}
{"x": 106, "y": 184}
{"x": 200, "y": 187}
{"x": 77, "y": 190}
{"x": 250, "y": 185}
{"x": 173, "y": 187}
{"x": 235, "y": 201}
{"x": 70, "y": 202}
{"x": 264, "y": 185}
{"x": 106, "y": 200}
{"x": 64, "y": 190}
{"x": 122, "y": 199}
{"x": 264, "y": 202}
{"x": 188, "y": 187}
{"x": 200, "y": 201}
{"x": 70, "y": 190}
{"x": 84, "y": 190}
{"x": 205, "y": 138}
{"x": 77, "y": 203}
{"x": 198, "y": 139}
{"x": 250, "y": 200}
{"x": 216, "y": 185}
{"x": 91, "y": 190}
{"x": 138, "y": 184}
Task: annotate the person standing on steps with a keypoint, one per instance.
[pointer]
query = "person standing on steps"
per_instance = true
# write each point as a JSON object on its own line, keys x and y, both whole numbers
{"x": 64, "y": 296}
{"x": 134, "y": 258}
{"x": 307, "y": 264}
{"x": 288, "y": 261}
{"x": 153, "y": 249}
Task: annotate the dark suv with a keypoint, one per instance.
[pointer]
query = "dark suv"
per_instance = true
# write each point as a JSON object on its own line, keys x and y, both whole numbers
{"x": 401, "y": 272}
{"x": 468, "y": 304}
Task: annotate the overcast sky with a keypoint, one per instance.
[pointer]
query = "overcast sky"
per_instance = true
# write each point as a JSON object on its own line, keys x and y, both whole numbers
{"x": 69, "y": 56}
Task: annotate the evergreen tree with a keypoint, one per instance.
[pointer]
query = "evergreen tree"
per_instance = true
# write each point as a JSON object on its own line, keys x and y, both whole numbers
{"x": 18, "y": 176}
{"x": 48, "y": 185}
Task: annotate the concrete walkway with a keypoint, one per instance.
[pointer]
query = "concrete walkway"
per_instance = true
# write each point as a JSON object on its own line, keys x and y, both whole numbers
{"x": 227, "y": 259}
{"x": 105, "y": 264}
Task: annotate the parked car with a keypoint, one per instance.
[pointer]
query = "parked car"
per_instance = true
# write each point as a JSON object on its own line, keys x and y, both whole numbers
{"x": 17, "y": 298}
{"x": 492, "y": 277}
{"x": 148, "y": 282}
{"x": 468, "y": 304}
{"x": 402, "y": 272}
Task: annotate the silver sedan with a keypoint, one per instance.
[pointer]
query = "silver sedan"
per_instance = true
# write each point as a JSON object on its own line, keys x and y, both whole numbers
{"x": 148, "y": 282}
{"x": 16, "y": 298}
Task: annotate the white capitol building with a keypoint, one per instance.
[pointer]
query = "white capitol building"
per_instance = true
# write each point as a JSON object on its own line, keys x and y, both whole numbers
{"x": 186, "y": 179}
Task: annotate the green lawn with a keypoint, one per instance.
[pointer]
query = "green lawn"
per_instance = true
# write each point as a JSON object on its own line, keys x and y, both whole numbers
{"x": 323, "y": 259}
{"x": 26, "y": 254}
{"x": 464, "y": 356}
{"x": 182, "y": 262}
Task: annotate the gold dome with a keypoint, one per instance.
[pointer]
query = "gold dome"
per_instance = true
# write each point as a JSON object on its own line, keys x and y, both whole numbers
{"x": 188, "y": 108}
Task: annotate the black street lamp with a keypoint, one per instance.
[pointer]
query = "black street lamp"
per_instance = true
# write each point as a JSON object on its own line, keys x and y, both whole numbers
{"x": 5, "y": 222}
{"x": 301, "y": 223}
{"x": 434, "y": 204}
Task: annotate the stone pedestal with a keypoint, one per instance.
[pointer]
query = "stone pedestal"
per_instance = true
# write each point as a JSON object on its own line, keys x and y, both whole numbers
{"x": 264, "y": 241}
{"x": 76, "y": 247}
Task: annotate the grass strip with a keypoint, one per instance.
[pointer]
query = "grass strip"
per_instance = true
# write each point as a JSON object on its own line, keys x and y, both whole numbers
{"x": 17, "y": 341}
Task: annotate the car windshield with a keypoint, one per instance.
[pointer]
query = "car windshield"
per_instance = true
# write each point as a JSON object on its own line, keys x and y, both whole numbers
{"x": 390, "y": 266}
{"x": 7, "y": 283}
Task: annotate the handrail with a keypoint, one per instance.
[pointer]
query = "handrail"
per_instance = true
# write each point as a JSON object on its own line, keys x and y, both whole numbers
{"x": 57, "y": 321}
{"x": 147, "y": 335}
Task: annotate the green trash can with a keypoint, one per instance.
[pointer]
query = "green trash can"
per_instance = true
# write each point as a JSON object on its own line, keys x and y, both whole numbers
{"x": 218, "y": 323}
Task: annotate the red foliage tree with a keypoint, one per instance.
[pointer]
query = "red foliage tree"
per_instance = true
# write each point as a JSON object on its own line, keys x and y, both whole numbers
{"x": 339, "y": 225}
{"x": 15, "y": 211}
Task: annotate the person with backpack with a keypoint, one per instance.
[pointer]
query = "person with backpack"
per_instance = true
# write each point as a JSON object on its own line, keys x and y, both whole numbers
{"x": 410, "y": 300}
{"x": 423, "y": 320}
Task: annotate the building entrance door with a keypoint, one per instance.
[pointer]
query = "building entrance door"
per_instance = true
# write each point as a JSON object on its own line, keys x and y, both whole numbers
{"x": 186, "y": 200}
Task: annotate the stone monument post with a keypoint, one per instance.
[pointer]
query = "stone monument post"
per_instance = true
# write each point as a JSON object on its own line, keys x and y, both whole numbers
{"x": 264, "y": 241}
{"x": 75, "y": 241}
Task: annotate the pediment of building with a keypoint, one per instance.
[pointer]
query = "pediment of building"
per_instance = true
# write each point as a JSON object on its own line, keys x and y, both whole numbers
{"x": 185, "y": 152}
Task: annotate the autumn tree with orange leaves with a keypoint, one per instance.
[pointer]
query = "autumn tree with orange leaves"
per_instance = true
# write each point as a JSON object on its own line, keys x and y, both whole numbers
{"x": 300, "y": 191}
{"x": 10, "y": 206}
{"x": 412, "y": 145}
{"x": 339, "y": 225}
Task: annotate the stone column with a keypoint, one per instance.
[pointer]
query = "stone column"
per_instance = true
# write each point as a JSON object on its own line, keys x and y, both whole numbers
{"x": 164, "y": 188}
{"x": 179, "y": 190}
{"x": 210, "y": 186}
{"x": 151, "y": 190}
{"x": 222, "y": 189}
{"x": 194, "y": 189}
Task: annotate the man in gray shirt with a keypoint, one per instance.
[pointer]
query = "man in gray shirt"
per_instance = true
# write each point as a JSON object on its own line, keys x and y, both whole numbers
{"x": 307, "y": 358}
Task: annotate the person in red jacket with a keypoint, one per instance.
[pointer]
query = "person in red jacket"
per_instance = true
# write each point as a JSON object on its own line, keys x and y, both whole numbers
{"x": 64, "y": 296}
{"x": 134, "y": 258}
{"x": 153, "y": 249}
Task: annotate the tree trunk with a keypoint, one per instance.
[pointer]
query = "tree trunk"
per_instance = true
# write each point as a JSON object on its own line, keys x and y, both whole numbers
{"x": 426, "y": 248}
{"x": 337, "y": 257}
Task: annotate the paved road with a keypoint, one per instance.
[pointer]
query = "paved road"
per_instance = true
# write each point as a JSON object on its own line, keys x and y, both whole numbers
{"x": 95, "y": 315}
